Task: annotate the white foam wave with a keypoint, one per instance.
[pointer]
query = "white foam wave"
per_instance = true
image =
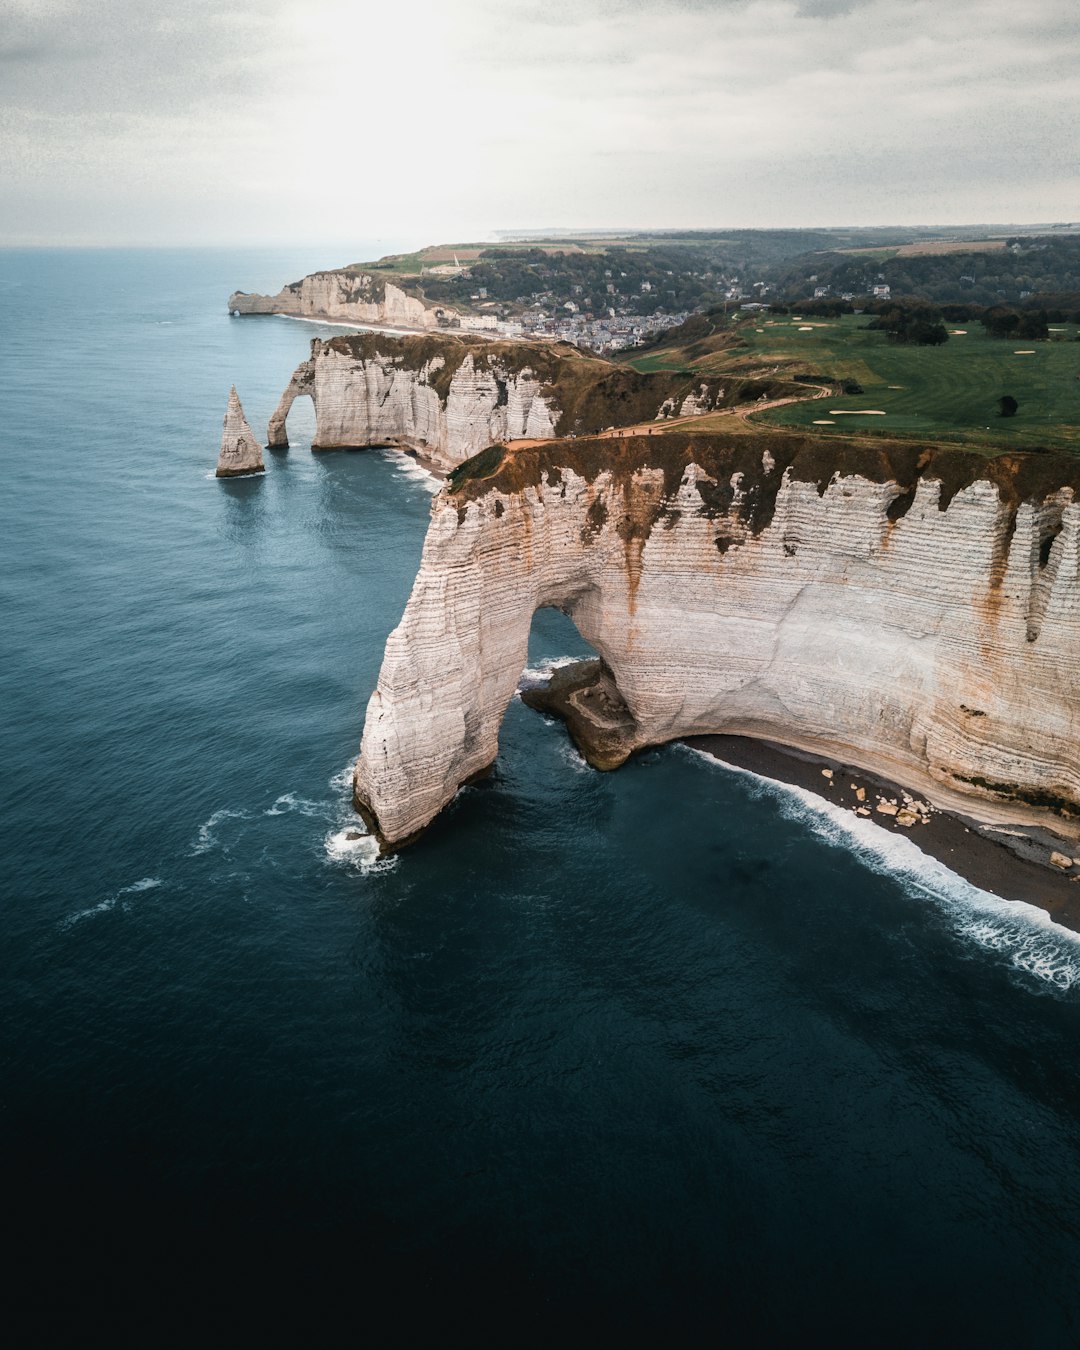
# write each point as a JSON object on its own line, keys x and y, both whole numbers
{"x": 573, "y": 756}
{"x": 1024, "y": 935}
{"x": 342, "y": 780}
{"x": 377, "y": 328}
{"x": 352, "y": 327}
{"x": 110, "y": 902}
{"x": 205, "y": 839}
{"x": 412, "y": 469}
{"x": 532, "y": 677}
{"x": 358, "y": 850}
{"x": 289, "y": 801}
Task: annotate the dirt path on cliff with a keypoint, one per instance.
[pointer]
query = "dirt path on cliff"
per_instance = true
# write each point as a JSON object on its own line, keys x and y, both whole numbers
{"x": 740, "y": 412}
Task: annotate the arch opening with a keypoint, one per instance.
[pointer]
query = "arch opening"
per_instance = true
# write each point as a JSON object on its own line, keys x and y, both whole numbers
{"x": 577, "y": 686}
{"x": 302, "y": 385}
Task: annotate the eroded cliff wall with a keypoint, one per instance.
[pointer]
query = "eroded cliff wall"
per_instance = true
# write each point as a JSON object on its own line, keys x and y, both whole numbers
{"x": 355, "y": 297}
{"x": 915, "y": 613}
{"x": 449, "y": 397}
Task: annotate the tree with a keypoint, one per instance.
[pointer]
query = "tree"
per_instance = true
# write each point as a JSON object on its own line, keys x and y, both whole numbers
{"x": 1007, "y": 406}
{"x": 911, "y": 321}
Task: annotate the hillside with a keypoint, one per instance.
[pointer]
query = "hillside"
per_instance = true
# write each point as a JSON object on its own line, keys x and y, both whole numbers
{"x": 947, "y": 393}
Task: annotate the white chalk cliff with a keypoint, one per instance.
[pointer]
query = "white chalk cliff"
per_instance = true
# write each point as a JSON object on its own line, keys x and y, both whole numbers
{"x": 449, "y": 397}
{"x": 915, "y": 614}
{"x": 355, "y": 297}
{"x": 240, "y": 451}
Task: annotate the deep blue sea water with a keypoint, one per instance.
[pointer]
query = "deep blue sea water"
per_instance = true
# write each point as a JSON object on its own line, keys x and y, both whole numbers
{"x": 668, "y": 1050}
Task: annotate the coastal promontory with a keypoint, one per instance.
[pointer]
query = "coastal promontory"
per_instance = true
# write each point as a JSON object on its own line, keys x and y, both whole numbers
{"x": 913, "y": 610}
{"x": 447, "y": 397}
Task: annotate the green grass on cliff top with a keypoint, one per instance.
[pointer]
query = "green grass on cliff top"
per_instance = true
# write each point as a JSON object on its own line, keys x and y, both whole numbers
{"x": 411, "y": 264}
{"x": 947, "y": 393}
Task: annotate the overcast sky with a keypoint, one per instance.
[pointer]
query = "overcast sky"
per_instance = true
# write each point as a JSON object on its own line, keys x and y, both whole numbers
{"x": 288, "y": 121}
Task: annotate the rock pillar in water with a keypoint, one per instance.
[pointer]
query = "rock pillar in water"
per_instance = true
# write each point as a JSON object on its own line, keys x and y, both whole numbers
{"x": 240, "y": 451}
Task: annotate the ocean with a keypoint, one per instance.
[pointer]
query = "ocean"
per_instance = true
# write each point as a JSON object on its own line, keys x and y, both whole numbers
{"x": 673, "y": 1050}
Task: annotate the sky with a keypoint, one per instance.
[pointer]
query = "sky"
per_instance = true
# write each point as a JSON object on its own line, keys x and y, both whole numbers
{"x": 287, "y": 121}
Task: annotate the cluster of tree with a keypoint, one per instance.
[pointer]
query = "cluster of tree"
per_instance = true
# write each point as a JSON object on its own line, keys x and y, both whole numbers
{"x": 684, "y": 270}
{"x": 1023, "y": 267}
{"x": 698, "y": 327}
{"x": 911, "y": 321}
{"x": 817, "y": 309}
{"x": 1002, "y": 321}
{"x": 1060, "y": 306}
{"x": 636, "y": 281}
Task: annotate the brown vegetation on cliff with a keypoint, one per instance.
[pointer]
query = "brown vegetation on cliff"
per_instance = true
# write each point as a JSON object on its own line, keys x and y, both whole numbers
{"x": 758, "y": 465}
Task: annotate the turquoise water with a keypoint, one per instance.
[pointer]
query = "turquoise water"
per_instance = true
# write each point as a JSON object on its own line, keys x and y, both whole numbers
{"x": 668, "y": 1050}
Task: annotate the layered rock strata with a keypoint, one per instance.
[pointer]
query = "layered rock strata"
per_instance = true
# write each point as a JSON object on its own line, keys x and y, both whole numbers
{"x": 449, "y": 397}
{"x": 911, "y": 612}
{"x": 240, "y": 451}
{"x": 352, "y": 297}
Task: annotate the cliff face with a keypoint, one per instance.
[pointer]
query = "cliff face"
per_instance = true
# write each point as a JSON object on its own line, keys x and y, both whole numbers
{"x": 449, "y": 397}
{"x": 355, "y": 297}
{"x": 240, "y": 451}
{"x": 915, "y": 614}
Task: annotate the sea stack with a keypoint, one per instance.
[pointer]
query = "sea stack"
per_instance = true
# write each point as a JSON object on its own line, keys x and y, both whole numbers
{"x": 240, "y": 451}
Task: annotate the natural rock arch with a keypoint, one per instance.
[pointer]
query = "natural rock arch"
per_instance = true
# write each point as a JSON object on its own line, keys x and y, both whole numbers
{"x": 755, "y": 589}
{"x": 302, "y": 383}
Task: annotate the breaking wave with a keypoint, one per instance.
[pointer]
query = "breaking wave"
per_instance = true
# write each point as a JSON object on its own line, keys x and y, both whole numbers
{"x": 205, "y": 838}
{"x": 350, "y": 843}
{"x": 569, "y": 752}
{"x": 110, "y": 902}
{"x": 342, "y": 780}
{"x": 407, "y": 467}
{"x": 1024, "y": 936}
{"x": 534, "y": 677}
{"x": 357, "y": 849}
{"x": 289, "y": 801}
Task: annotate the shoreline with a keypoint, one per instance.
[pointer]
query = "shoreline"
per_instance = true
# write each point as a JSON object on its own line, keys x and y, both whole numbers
{"x": 1011, "y": 862}
{"x": 974, "y": 851}
{"x": 384, "y": 328}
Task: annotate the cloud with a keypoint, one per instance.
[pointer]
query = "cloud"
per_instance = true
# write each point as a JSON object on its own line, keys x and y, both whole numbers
{"x": 825, "y": 9}
{"x": 575, "y": 112}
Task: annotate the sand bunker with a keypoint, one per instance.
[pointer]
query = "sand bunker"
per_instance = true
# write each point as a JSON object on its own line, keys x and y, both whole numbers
{"x": 857, "y": 412}
{"x": 805, "y": 328}
{"x": 1028, "y": 351}
{"x": 896, "y": 386}
{"x": 824, "y": 422}
{"x": 959, "y": 332}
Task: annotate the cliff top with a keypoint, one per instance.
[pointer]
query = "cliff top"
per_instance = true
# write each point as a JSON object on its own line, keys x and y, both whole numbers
{"x": 813, "y": 459}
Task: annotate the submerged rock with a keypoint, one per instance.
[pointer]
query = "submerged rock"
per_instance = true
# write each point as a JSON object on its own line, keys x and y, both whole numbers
{"x": 240, "y": 451}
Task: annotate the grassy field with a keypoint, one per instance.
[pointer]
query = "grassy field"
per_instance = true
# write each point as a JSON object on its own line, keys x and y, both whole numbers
{"x": 411, "y": 264}
{"x": 945, "y": 393}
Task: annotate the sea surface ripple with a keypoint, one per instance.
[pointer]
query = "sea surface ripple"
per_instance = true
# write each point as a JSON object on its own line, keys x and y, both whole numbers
{"x": 672, "y": 1050}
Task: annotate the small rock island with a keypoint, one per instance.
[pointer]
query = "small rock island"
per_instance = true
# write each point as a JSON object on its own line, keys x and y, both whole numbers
{"x": 240, "y": 452}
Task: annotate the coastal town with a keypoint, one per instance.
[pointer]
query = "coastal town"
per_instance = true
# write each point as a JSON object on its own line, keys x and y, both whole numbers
{"x": 614, "y": 331}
